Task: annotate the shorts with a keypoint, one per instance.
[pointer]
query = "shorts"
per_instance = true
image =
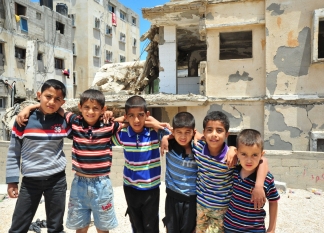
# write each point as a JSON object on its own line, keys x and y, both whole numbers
{"x": 210, "y": 220}
{"x": 91, "y": 195}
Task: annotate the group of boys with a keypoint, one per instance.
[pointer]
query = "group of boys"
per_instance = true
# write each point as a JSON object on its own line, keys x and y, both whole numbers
{"x": 204, "y": 194}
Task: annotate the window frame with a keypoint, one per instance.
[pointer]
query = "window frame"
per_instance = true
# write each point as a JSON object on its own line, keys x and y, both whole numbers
{"x": 122, "y": 15}
{"x": 318, "y": 16}
{"x": 134, "y": 18}
{"x": 111, "y": 8}
{"x": 23, "y": 52}
{"x": 60, "y": 27}
{"x": 58, "y": 63}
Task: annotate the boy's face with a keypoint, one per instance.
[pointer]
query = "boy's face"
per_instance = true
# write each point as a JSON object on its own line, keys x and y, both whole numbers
{"x": 183, "y": 136}
{"x": 136, "y": 118}
{"x": 215, "y": 135}
{"x": 249, "y": 156}
{"x": 91, "y": 111}
{"x": 50, "y": 100}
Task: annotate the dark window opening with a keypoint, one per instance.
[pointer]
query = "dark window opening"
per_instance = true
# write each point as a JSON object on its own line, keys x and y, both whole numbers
{"x": 235, "y": 45}
{"x": 231, "y": 140}
{"x": 20, "y": 53}
{"x": 74, "y": 78}
{"x": 38, "y": 16}
{"x": 133, "y": 20}
{"x": 58, "y": 63}
{"x": 320, "y": 145}
{"x": 2, "y": 103}
{"x": 20, "y": 9}
{"x": 39, "y": 57}
{"x": 321, "y": 39}
{"x": 111, "y": 8}
{"x": 1, "y": 52}
{"x": 60, "y": 27}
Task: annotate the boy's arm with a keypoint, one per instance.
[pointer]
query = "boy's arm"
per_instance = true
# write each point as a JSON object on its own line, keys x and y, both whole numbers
{"x": 258, "y": 194}
{"x": 273, "y": 213}
{"x": 23, "y": 116}
{"x": 164, "y": 144}
{"x": 231, "y": 156}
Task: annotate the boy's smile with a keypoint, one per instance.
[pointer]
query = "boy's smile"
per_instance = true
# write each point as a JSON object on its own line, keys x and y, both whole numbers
{"x": 249, "y": 157}
{"x": 215, "y": 136}
{"x": 50, "y": 100}
{"x": 183, "y": 136}
{"x": 136, "y": 118}
{"x": 91, "y": 111}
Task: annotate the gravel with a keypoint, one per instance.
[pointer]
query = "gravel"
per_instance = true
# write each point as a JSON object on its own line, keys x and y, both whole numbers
{"x": 300, "y": 211}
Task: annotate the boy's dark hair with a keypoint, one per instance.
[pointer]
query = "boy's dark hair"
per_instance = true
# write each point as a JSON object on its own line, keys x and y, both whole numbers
{"x": 183, "y": 119}
{"x": 249, "y": 137}
{"x": 92, "y": 94}
{"x": 56, "y": 84}
{"x": 135, "y": 102}
{"x": 217, "y": 116}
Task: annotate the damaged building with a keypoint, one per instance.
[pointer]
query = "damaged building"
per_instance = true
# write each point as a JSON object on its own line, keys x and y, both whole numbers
{"x": 35, "y": 45}
{"x": 259, "y": 61}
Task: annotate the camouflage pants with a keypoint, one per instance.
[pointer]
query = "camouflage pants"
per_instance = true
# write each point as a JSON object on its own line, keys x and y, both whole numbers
{"x": 210, "y": 220}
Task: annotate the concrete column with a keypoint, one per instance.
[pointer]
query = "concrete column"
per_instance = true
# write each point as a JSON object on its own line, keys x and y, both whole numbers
{"x": 31, "y": 68}
{"x": 168, "y": 59}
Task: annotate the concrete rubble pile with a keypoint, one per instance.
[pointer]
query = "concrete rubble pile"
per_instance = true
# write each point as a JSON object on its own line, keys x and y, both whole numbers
{"x": 131, "y": 77}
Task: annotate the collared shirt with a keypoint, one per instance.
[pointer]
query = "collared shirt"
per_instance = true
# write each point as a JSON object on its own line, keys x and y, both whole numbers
{"x": 241, "y": 215}
{"x": 91, "y": 148}
{"x": 181, "y": 170}
{"x": 142, "y": 168}
{"x": 37, "y": 147}
{"x": 214, "y": 181}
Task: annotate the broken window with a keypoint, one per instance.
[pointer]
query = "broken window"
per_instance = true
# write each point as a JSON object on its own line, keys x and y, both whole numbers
{"x": 235, "y": 45}
{"x": 74, "y": 78}
{"x": 2, "y": 103}
{"x": 134, "y": 21}
{"x": 108, "y": 30}
{"x": 134, "y": 42}
{"x": 20, "y": 53}
{"x": 231, "y": 140}
{"x": 58, "y": 63}
{"x": 72, "y": 17}
{"x": 97, "y": 23}
{"x": 122, "y": 15}
{"x": 73, "y": 49}
{"x": 1, "y": 52}
{"x": 97, "y": 50}
{"x": 111, "y": 8}
{"x": 39, "y": 57}
{"x": 109, "y": 56}
{"x": 20, "y": 9}
{"x": 122, "y": 37}
{"x": 122, "y": 58}
{"x": 38, "y": 16}
{"x": 321, "y": 38}
{"x": 60, "y": 27}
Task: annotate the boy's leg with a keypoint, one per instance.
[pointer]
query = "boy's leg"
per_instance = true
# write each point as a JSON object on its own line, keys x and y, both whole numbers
{"x": 134, "y": 199}
{"x": 150, "y": 210}
{"x": 171, "y": 219}
{"x": 216, "y": 221}
{"x": 102, "y": 204}
{"x": 202, "y": 219}
{"x": 55, "y": 196}
{"x": 189, "y": 215}
{"x": 29, "y": 197}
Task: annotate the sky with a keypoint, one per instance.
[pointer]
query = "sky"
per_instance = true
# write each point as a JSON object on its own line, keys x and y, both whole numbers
{"x": 137, "y": 5}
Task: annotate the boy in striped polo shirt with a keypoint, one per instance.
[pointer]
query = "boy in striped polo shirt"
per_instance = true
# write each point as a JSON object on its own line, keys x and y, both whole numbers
{"x": 241, "y": 216}
{"x": 91, "y": 189}
{"x": 180, "y": 177}
{"x": 214, "y": 180}
{"x": 142, "y": 170}
{"x": 37, "y": 146}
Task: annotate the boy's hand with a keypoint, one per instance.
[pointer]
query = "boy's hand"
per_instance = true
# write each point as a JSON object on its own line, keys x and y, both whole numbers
{"x": 164, "y": 144}
{"x": 231, "y": 157}
{"x": 22, "y": 117}
{"x": 12, "y": 190}
{"x": 258, "y": 197}
{"x": 108, "y": 116}
{"x": 198, "y": 136}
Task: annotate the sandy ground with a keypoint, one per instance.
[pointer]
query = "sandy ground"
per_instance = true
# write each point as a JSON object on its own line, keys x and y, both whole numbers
{"x": 300, "y": 211}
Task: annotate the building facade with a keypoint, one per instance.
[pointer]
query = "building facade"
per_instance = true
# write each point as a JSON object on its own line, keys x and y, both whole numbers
{"x": 259, "y": 61}
{"x": 103, "y": 32}
{"x": 35, "y": 45}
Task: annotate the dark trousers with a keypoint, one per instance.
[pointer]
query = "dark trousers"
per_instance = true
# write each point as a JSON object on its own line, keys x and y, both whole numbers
{"x": 143, "y": 209}
{"x": 30, "y": 194}
{"x": 180, "y": 215}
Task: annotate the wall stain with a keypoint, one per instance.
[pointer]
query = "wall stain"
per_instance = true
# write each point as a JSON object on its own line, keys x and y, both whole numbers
{"x": 272, "y": 81}
{"x": 275, "y": 9}
{"x": 263, "y": 43}
{"x": 237, "y": 77}
{"x": 278, "y": 143}
{"x": 279, "y": 21}
{"x": 292, "y": 42}
{"x": 234, "y": 122}
{"x": 210, "y": 16}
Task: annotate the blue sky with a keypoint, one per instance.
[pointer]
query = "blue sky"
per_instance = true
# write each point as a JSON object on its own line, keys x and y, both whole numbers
{"x": 137, "y": 6}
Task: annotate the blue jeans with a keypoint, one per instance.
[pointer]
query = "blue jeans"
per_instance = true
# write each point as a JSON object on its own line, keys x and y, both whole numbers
{"x": 91, "y": 195}
{"x": 30, "y": 194}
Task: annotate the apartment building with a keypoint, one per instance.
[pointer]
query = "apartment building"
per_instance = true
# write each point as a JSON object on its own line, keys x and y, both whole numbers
{"x": 35, "y": 45}
{"x": 103, "y": 32}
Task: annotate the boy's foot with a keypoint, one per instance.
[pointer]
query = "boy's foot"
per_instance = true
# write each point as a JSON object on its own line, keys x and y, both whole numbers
{"x": 33, "y": 227}
{"x": 41, "y": 224}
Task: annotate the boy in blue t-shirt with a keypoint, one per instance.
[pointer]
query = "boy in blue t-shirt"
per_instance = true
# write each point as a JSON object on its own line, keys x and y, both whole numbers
{"x": 241, "y": 216}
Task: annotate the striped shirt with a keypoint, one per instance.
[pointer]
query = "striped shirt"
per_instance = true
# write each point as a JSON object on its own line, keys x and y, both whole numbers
{"x": 181, "y": 170}
{"x": 37, "y": 147}
{"x": 241, "y": 215}
{"x": 142, "y": 168}
{"x": 214, "y": 180}
{"x": 91, "y": 149}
